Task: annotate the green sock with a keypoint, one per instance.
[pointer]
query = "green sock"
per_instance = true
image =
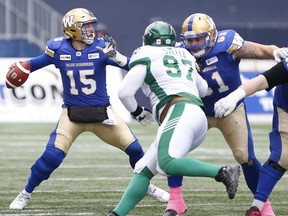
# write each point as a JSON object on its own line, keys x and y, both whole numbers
{"x": 134, "y": 193}
{"x": 192, "y": 167}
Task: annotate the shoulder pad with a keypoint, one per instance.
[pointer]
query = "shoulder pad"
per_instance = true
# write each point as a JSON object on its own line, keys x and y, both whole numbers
{"x": 236, "y": 44}
{"x": 139, "y": 56}
{"x": 53, "y": 45}
{"x": 233, "y": 40}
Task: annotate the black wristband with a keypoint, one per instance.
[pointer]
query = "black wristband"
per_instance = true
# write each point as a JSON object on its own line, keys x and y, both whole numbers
{"x": 137, "y": 111}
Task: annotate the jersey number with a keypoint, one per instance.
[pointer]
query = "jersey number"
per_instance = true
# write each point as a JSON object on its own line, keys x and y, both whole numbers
{"x": 90, "y": 83}
{"x": 172, "y": 63}
{"x": 222, "y": 87}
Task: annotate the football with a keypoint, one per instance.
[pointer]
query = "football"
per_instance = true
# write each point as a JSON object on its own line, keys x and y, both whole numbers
{"x": 18, "y": 74}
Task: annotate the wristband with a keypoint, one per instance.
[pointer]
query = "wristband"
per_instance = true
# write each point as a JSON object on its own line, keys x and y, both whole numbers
{"x": 137, "y": 111}
{"x": 120, "y": 59}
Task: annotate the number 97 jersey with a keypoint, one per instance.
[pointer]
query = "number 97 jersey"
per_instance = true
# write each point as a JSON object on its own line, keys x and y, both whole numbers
{"x": 169, "y": 71}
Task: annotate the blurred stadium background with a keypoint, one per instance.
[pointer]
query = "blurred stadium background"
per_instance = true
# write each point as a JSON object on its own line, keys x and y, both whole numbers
{"x": 28, "y": 24}
{"x": 89, "y": 182}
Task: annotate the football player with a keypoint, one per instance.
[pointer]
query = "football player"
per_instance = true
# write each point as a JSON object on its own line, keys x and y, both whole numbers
{"x": 168, "y": 76}
{"x": 277, "y": 164}
{"x": 86, "y": 104}
{"x": 218, "y": 55}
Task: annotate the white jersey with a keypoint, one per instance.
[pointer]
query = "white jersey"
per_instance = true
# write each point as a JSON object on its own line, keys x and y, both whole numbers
{"x": 170, "y": 71}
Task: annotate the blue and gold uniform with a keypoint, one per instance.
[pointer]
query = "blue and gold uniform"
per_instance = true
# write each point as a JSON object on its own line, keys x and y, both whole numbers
{"x": 277, "y": 164}
{"x": 83, "y": 73}
{"x": 220, "y": 70}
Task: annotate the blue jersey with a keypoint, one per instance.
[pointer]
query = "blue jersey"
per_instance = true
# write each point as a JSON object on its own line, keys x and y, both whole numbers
{"x": 220, "y": 70}
{"x": 83, "y": 72}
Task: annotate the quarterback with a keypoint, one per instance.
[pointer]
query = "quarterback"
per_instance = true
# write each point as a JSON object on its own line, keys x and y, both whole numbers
{"x": 86, "y": 104}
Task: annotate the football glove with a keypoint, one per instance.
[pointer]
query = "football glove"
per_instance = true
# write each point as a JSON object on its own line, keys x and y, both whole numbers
{"x": 227, "y": 105}
{"x": 110, "y": 51}
{"x": 110, "y": 47}
{"x": 143, "y": 116}
{"x": 280, "y": 54}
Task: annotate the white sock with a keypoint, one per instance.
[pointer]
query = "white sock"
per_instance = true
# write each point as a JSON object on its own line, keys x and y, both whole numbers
{"x": 26, "y": 193}
{"x": 259, "y": 204}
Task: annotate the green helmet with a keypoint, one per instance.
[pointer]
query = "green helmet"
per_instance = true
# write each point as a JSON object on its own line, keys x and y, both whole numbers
{"x": 159, "y": 33}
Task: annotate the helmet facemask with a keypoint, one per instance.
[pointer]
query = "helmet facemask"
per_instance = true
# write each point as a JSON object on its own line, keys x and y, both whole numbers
{"x": 200, "y": 48}
{"x": 88, "y": 32}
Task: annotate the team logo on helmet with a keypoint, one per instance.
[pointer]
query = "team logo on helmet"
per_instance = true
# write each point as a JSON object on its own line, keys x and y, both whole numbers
{"x": 68, "y": 21}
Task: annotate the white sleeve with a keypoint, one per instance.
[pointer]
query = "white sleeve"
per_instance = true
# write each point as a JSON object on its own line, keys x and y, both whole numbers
{"x": 202, "y": 86}
{"x": 129, "y": 86}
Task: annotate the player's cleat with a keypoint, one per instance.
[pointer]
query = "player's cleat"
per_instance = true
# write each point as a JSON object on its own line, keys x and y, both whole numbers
{"x": 20, "y": 202}
{"x": 253, "y": 211}
{"x": 267, "y": 209}
{"x": 229, "y": 176}
{"x": 111, "y": 213}
{"x": 158, "y": 194}
{"x": 170, "y": 212}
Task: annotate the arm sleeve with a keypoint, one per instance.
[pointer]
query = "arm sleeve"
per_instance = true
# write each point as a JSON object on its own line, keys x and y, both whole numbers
{"x": 276, "y": 75}
{"x": 130, "y": 84}
{"x": 39, "y": 62}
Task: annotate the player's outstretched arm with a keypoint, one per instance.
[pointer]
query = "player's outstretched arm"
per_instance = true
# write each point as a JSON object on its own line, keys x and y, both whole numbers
{"x": 226, "y": 105}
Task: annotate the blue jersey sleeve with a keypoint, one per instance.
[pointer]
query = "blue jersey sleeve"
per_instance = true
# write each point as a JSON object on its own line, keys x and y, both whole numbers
{"x": 230, "y": 40}
{"x": 39, "y": 62}
{"x": 47, "y": 57}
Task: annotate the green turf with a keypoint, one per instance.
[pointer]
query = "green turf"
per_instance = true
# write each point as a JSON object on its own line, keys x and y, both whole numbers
{"x": 94, "y": 175}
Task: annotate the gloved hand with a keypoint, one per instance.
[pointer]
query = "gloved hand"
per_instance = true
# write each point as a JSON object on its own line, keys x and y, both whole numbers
{"x": 143, "y": 116}
{"x": 110, "y": 47}
{"x": 280, "y": 54}
{"x": 227, "y": 105}
{"x": 224, "y": 107}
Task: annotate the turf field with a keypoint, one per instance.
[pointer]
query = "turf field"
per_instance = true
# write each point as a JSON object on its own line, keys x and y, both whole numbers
{"x": 94, "y": 175}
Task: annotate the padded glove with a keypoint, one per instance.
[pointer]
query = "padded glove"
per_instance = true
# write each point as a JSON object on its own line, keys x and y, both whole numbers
{"x": 110, "y": 47}
{"x": 280, "y": 54}
{"x": 227, "y": 105}
{"x": 143, "y": 116}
